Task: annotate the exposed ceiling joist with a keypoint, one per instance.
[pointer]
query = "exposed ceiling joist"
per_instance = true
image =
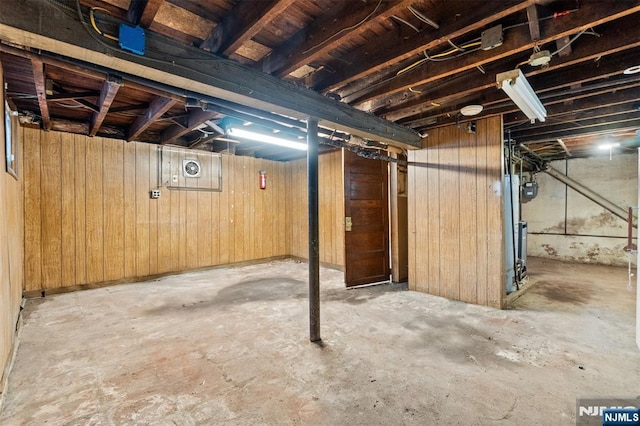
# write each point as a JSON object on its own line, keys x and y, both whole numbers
{"x": 394, "y": 48}
{"x": 328, "y": 32}
{"x": 613, "y": 51}
{"x": 632, "y": 124}
{"x": 516, "y": 40}
{"x": 108, "y": 93}
{"x": 143, "y": 12}
{"x": 156, "y": 109}
{"x": 61, "y": 34}
{"x": 245, "y": 20}
{"x": 534, "y": 22}
{"x": 194, "y": 119}
{"x": 41, "y": 92}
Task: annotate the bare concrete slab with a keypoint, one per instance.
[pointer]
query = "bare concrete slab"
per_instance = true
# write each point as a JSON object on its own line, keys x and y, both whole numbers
{"x": 230, "y": 346}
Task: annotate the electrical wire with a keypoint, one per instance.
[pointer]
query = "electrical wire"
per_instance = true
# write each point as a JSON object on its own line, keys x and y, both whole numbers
{"x": 66, "y": 105}
{"x": 95, "y": 26}
{"x": 423, "y": 18}
{"x": 408, "y": 24}
{"x": 344, "y": 29}
{"x": 436, "y": 58}
{"x": 573, "y": 39}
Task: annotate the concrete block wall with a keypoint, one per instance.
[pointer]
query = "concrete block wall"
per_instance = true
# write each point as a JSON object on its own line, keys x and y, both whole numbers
{"x": 565, "y": 225}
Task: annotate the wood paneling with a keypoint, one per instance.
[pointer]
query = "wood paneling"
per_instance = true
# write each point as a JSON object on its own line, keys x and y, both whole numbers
{"x": 11, "y": 246}
{"x": 455, "y": 215}
{"x": 331, "y": 207}
{"x": 91, "y": 218}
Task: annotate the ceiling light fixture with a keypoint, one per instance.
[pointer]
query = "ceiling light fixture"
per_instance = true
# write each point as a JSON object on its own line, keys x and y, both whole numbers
{"x": 610, "y": 147}
{"x": 516, "y": 86}
{"x": 259, "y": 137}
{"x": 471, "y": 110}
{"x": 632, "y": 70}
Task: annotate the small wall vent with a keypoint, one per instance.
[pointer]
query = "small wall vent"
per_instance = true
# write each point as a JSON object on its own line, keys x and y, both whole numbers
{"x": 191, "y": 168}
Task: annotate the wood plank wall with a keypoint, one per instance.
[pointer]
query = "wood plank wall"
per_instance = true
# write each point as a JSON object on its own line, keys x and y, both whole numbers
{"x": 331, "y": 203}
{"x": 90, "y": 218}
{"x": 456, "y": 216}
{"x": 11, "y": 249}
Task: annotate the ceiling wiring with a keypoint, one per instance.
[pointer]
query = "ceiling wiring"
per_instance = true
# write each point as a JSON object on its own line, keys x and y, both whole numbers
{"x": 407, "y": 23}
{"x": 92, "y": 18}
{"x": 344, "y": 29}
{"x": 423, "y": 18}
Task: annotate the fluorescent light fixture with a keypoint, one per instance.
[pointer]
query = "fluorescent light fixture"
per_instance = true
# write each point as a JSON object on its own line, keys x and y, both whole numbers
{"x": 608, "y": 145}
{"x": 259, "y": 137}
{"x": 516, "y": 86}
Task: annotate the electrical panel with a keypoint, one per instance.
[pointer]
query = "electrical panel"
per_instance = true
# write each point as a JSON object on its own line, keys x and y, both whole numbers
{"x": 530, "y": 190}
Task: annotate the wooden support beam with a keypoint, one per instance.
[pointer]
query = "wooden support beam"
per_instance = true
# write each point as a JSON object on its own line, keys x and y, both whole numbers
{"x": 601, "y": 129}
{"x": 328, "y": 32}
{"x": 243, "y": 22}
{"x": 157, "y": 107}
{"x": 589, "y": 98}
{"x": 72, "y": 96}
{"x": 41, "y": 25}
{"x": 108, "y": 93}
{"x": 194, "y": 119}
{"x": 613, "y": 50}
{"x": 391, "y": 50}
{"x": 143, "y": 12}
{"x": 578, "y": 124}
{"x": 41, "y": 92}
{"x": 563, "y": 47}
{"x": 589, "y": 15}
{"x": 534, "y": 22}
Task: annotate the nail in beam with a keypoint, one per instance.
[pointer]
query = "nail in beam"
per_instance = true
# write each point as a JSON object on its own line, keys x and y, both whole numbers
{"x": 314, "y": 243}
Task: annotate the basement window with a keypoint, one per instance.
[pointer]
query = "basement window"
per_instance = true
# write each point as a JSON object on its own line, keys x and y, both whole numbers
{"x": 11, "y": 141}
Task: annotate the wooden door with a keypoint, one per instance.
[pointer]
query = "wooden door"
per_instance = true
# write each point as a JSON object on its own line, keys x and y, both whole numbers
{"x": 366, "y": 220}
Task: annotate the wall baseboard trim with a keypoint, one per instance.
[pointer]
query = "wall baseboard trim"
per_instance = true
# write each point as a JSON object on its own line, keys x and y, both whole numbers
{"x": 132, "y": 280}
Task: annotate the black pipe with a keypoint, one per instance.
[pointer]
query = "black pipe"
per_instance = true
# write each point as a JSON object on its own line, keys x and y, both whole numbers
{"x": 314, "y": 242}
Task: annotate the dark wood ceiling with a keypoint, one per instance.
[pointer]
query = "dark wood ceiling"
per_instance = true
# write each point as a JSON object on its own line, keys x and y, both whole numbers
{"x": 416, "y": 63}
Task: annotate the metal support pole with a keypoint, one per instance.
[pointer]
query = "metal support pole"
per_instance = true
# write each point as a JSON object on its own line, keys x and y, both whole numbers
{"x": 638, "y": 269}
{"x": 314, "y": 242}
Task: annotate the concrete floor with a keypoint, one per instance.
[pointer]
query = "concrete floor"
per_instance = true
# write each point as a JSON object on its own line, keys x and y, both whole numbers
{"x": 229, "y": 346}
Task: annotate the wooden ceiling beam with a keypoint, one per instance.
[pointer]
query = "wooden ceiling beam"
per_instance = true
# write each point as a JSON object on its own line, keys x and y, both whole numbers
{"x": 549, "y": 130}
{"x": 108, "y": 93}
{"x": 143, "y": 12}
{"x": 392, "y": 49}
{"x": 517, "y": 40}
{"x": 613, "y": 53}
{"x": 194, "y": 119}
{"x": 243, "y": 22}
{"x": 555, "y": 102}
{"x": 157, "y": 107}
{"x": 329, "y": 32}
{"x": 197, "y": 73}
{"x": 72, "y": 96}
{"x": 594, "y": 130}
{"x": 41, "y": 91}
{"x": 585, "y": 103}
{"x": 534, "y": 22}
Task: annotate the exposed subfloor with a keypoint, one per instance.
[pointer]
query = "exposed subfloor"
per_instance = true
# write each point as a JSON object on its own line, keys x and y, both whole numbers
{"x": 230, "y": 346}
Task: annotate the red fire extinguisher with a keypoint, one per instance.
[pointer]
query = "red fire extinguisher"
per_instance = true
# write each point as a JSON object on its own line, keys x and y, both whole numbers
{"x": 263, "y": 179}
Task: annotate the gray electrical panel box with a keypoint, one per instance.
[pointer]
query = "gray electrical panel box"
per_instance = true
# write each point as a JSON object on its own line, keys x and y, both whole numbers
{"x": 491, "y": 38}
{"x": 530, "y": 190}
